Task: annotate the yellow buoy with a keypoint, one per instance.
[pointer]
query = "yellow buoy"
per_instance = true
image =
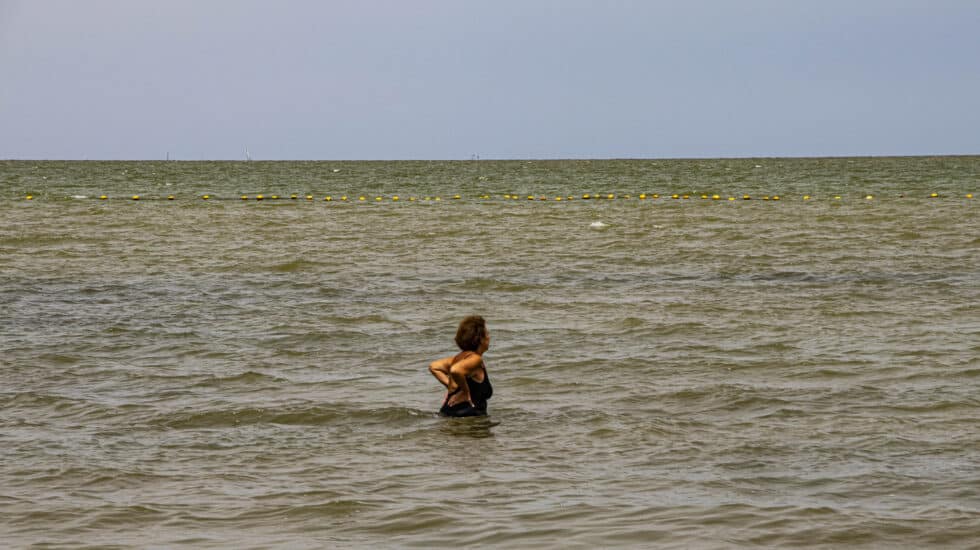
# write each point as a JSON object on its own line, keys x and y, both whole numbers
{"x": 259, "y": 197}
{"x": 715, "y": 197}
{"x": 611, "y": 196}
{"x": 136, "y": 197}
{"x": 731, "y": 198}
{"x": 775, "y": 197}
{"x": 103, "y": 197}
{"x": 969, "y": 195}
{"x": 586, "y": 196}
{"x": 836, "y": 197}
{"x": 292, "y": 197}
{"x": 438, "y": 198}
{"x": 274, "y": 197}
{"x": 643, "y": 196}
{"x": 206, "y": 197}
{"x": 395, "y": 198}
{"x": 746, "y": 198}
{"x": 456, "y": 197}
{"x": 675, "y": 196}
{"x": 170, "y": 197}
{"x": 29, "y": 197}
{"x": 377, "y": 199}
{"x": 869, "y": 197}
{"x": 362, "y": 199}
{"x": 328, "y": 198}
{"x": 244, "y": 197}
{"x": 309, "y": 197}
{"x": 806, "y": 197}
{"x": 343, "y": 198}
{"x": 557, "y": 198}
{"x": 685, "y": 197}
{"x": 656, "y": 196}
{"x": 934, "y": 196}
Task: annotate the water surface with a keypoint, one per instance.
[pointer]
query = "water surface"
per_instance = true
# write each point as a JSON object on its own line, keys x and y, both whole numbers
{"x": 691, "y": 373}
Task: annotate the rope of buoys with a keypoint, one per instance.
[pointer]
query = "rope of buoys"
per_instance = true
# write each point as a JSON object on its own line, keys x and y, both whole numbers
{"x": 512, "y": 196}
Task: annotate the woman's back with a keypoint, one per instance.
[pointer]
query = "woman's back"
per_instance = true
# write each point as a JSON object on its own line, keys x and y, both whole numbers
{"x": 480, "y": 390}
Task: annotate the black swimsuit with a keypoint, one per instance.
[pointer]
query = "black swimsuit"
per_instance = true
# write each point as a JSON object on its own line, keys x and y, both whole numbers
{"x": 479, "y": 393}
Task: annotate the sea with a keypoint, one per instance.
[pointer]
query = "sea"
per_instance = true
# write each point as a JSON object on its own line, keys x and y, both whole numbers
{"x": 717, "y": 353}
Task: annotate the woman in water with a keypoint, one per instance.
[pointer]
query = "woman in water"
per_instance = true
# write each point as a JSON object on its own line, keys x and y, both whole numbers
{"x": 465, "y": 374}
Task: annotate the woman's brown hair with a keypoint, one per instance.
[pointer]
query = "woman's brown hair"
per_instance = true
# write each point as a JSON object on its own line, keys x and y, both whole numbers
{"x": 470, "y": 333}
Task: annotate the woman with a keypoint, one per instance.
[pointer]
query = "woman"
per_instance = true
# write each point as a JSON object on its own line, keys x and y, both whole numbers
{"x": 465, "y": 374}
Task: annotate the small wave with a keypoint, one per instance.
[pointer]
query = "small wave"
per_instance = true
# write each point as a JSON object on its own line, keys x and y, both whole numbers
{"x": 784, "y": 276}
{"x": 250, "y": 378}
{"x": 727, "y": 398}
{"x": 294, "y": 266}
{"x": 827, "y": 373}
{"x": 51, "y": 406}
{"x": 115, "y": 516}
{"x": 59, "y": 359}
{"x": 632, "y": 323}
{"x": 939, "y": 406}
{"x": 292, "y": 416}
{"x": 496, "y": 285}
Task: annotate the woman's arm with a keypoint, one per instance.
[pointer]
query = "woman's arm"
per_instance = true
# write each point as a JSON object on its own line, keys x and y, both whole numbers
{"x": 440, "y": 369}
{"x": 458, "y": 372}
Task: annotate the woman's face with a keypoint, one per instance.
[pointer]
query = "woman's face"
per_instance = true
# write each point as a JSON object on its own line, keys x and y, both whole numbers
{"x": 485, "y": 344}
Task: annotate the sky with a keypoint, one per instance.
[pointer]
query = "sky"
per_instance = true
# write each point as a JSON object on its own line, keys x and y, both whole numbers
{"x": 500, "y": 79}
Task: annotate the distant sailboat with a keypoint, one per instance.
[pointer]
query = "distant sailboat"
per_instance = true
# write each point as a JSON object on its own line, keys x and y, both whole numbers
{"x": 248, "y": 157}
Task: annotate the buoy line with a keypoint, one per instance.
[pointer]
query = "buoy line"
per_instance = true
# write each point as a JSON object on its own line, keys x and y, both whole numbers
{"x": 595, "y": 197}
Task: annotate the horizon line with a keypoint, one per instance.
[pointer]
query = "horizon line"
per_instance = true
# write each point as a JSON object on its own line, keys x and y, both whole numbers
{"x": 502, "y": 159}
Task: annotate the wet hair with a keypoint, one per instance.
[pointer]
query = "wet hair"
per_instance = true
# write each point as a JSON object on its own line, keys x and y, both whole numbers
{"x": 471, "y": 332}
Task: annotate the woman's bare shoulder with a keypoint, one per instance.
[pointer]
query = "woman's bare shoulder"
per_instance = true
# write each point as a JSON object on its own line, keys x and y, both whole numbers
{"x": 467, "y": 361}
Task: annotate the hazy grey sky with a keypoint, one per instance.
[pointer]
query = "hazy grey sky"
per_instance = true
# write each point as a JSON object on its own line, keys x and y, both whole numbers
{"x": 447, "y": 79}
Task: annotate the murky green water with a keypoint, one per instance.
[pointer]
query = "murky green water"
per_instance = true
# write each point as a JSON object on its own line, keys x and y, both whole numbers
{"x": 668, "y": 372}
